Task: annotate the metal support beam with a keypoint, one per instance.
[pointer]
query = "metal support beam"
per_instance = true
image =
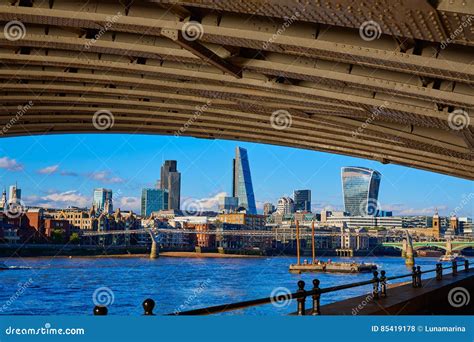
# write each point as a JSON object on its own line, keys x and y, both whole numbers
{"x": 202, "y": 52}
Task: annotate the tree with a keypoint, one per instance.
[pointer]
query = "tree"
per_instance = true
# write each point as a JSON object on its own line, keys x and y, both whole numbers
{"x": 74, "y": 239}
{"x": 57, "y": 236}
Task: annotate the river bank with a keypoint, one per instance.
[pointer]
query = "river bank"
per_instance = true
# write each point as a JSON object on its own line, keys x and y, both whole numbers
{"x": 205, "y": 255}
{"x": 75, "y": 251}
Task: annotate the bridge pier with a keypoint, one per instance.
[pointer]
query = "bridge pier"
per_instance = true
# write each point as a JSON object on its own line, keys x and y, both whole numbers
{"x": 410, "y": 252}
{"x": 154, "y": 253}
{"x": 449, "y": 247}
{"x": 404, "y": 248}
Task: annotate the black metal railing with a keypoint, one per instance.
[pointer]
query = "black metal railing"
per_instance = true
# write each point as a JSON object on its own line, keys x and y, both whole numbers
{"x": 379, "y": 290}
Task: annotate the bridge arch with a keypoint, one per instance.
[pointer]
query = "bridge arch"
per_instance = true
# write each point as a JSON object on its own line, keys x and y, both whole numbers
{"x": 211, "y": 85}
{"x": 440, "y": 246}
{"x": 462, "y": 247}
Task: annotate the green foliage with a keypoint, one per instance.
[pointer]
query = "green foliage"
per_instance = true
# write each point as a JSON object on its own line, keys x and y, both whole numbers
{"x": 74, "y": 239}
{"x": 57, "y": 236}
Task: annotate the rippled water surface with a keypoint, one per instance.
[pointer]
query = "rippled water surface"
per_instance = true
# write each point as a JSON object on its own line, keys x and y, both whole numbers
{"x": 63, "y": 286}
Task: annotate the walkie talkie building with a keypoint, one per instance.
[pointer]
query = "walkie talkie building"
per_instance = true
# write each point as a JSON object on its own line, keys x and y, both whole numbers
{"x": 360, "y": 189}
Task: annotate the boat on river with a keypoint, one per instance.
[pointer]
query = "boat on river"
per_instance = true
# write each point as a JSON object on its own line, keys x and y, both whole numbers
{"x": 325, "y": 266}
{"x": 452, "y": 257}
{"x": 333, "y": 267}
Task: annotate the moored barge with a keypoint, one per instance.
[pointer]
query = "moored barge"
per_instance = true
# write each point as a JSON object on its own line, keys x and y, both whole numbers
{"x": 325, "y": 266}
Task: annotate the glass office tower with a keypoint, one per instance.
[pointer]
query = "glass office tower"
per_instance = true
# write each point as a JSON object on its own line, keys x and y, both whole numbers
{"x": 171, "y": 181}
{"x": 360, "y": 189}
{"x": 302, "y": 200}
{"x": 153, "y": 200}
{"x": 242, "y": 181}
{"x": 100, "y": 197}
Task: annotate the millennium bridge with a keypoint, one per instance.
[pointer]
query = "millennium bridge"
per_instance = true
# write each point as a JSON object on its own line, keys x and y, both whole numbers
{"x": 449, "y": 245}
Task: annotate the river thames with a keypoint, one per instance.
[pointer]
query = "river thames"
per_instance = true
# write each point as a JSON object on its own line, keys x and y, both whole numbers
{"x": 63, "y": 286}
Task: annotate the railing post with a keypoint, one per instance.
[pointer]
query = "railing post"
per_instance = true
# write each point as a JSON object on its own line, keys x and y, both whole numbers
{"x": 316, "y": 298}
{"x": 455, "y": 268}
{"x": 301, "y": 301}
{"x": 418, "y": 277}
{"x": 100, "y": 310}
{"x": 413, "y": 277}
{"x": 383, "y": 284}
{"x": 148, "y": 306}
{"x": 376, "y": 280}
{"x": 466, "y": 265}
{"x": 439, "y": 271}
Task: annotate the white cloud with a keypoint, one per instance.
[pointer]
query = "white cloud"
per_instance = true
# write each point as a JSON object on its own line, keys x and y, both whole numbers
{"x": 10, "y": 164}
{"x": 104, "y": 176}
{"x": 49, "y": 170}
{"x": 129, "y": 203}
{"x": 206, "y": 203}
{"x": 59, "y": 200}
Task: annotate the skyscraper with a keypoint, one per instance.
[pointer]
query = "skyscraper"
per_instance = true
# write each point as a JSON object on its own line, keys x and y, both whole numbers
{"x": 242, "y": 181}
{"x": 268, "y": 208}
{"x": 228, "y": 204}
{"x": 153, "y": 200}
{"x": 171, "y": 181}
{"x": 285, "y": 206}
{"x": 3, "y": 201}
{"x": 14, "y": 193}
{"x": 360, "y": 188}
{"x": 302, "y": 200}
{"x": 102, "y": 197}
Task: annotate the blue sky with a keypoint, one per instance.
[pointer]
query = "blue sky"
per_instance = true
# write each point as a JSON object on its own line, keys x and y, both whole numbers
{"x": 61, "y": 170}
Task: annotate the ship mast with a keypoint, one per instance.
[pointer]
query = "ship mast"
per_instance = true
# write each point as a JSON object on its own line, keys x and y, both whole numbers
{"x": 297, "y": 243}
{"x": 313, "y": 242}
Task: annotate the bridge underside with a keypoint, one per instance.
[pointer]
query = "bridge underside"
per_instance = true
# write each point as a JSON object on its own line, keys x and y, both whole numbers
{"x": 276, "y": 71}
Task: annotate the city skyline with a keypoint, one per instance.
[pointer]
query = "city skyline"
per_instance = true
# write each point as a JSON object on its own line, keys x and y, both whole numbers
{"x": 64, "y": 170}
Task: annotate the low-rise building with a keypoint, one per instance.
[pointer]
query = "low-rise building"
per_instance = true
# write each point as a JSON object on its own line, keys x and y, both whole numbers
{"x": 251, "y": 221}
{"x": 364, "y": 221}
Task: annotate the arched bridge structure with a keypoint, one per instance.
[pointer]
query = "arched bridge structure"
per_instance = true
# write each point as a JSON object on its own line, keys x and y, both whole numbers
{"x": 386, "y": 80}
{"x": 449, "y": 246}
